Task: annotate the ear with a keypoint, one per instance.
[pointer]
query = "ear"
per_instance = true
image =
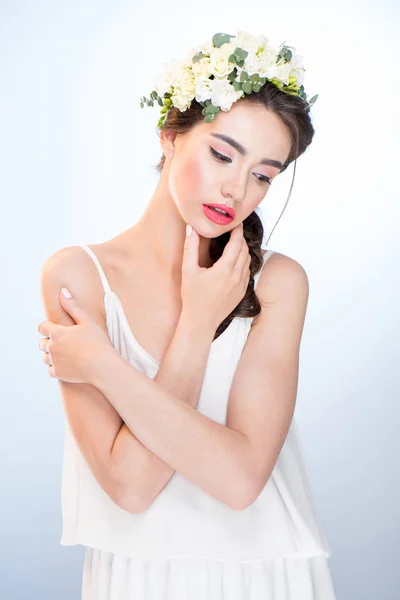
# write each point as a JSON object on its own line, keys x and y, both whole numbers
{"x": 167, "y": 139}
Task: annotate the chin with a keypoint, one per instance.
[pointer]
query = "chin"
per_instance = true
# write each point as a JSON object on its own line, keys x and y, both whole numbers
{"x": 212, "y": 231}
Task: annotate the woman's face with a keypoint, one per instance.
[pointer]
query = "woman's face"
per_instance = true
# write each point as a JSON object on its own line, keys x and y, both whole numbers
{"x": 238, "y": 178}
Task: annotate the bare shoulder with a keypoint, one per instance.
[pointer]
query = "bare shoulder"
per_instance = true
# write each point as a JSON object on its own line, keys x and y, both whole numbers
{"x": 283, "y": 291}
{"x": 281, "y": 276}
{"x": 284, "y": 264}
{"x": 73, "y": 268}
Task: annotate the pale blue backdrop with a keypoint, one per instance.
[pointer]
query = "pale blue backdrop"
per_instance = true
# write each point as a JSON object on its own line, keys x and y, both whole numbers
{"x": 76, "y": 152}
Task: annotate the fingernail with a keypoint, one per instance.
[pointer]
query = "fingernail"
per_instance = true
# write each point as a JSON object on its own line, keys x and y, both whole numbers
{"x": 66, "y": 293}
{"x": 188, "y": 230}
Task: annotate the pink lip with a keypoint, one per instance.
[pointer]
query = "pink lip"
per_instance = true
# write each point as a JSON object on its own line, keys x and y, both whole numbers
{"x": 224, "y": 207}
{"x": 216, "y": 217}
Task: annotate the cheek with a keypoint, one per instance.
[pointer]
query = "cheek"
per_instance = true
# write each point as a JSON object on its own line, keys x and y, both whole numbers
{"x": 190, "y": 182}
{"x": 195, "y": 174}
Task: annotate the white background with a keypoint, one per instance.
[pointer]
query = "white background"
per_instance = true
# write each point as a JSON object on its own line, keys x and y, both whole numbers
{"x": 76, "y": 156}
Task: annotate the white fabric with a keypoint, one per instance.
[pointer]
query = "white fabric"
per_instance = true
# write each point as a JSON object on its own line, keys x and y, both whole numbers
{"x": 188, "y": 545}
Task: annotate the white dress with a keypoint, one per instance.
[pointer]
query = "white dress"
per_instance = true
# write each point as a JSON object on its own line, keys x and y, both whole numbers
{"x": 188, "y": 545}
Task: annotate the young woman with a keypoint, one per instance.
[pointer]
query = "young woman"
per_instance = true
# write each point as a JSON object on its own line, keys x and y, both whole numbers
{"x": 177, "y": 357}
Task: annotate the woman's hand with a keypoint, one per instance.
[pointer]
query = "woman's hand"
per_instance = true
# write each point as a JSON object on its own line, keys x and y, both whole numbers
{"x": 72, "y": 351}
{"x": 211, "y": 294}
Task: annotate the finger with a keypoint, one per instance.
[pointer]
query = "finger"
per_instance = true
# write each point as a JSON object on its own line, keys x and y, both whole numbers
{"x": 51, "y": 371}
{"x": 44, "y": 344}
{"x": 190, "y": 259}
{"x": 244, "y": 258}
{"x": 47, "y": 359}
{"x": 246, "y": 267}
{"x": 47, "y": 327}
{"x": 242, "y": 266}
{"x": 73, "y": 308}
{"x": 233, "y": 248}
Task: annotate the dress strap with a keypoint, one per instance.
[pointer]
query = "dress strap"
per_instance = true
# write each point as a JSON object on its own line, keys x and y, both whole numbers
{"x": 265, "y": 258}
{"x": 103, "y": 278}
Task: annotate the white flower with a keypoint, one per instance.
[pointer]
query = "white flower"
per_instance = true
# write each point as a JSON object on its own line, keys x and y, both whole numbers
{"x": 224, "y": 94}
{"x": 267, "y": 62}
{"x": 297, "y": 68}
{"x": 249, "y": 42}
{"x": 219, "y": 60}
{"x": 186, "y": 80}
{"x": 202, "y": 68}
{"x": 166, "y": 78}
{"x": 283, "y": 72}
{"x": 203, "y": 89}
{"x": 187, "y": 60}
{"x": 250, "y": 64}
{"x": 207, "y": 47}
{"x": 184, "y": 88}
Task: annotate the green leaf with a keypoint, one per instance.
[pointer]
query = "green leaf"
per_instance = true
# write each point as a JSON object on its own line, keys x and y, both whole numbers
{"x": 313, "y": 99}
{"x": 288, "y": 55}
{"x": 240, "y": 53}
{"x": 197, "y": 57}
{"x": 211, "y": 109}
{"x": 219, "y": 39}
{"x": 209, "y": 118}
{"x": 244, "y": 76}
{"x": 256, "y": 87}
{"x": 254, "y": 78}
{"x": 236, "y": 85}
{"x": 247, "y": 87}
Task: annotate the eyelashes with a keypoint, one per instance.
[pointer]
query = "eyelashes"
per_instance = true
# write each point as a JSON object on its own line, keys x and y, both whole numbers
{"x": 222, "y": 158}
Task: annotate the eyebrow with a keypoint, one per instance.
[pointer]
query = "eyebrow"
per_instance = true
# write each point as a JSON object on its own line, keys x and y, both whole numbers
{"x": 242, "y": 150}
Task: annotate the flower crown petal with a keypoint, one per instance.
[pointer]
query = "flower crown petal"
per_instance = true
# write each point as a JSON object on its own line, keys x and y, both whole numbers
{"x": 220, "y": 71}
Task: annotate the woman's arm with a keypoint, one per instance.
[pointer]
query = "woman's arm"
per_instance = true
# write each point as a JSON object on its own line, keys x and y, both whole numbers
{"x": 181, "y": 373}
{"x": 126, "y": 470}
{"x": 231, "y": 462}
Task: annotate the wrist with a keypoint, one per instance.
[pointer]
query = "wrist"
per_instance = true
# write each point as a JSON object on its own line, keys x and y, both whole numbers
{"x": 101, "y": 364}
{"x": 195, "y": 328}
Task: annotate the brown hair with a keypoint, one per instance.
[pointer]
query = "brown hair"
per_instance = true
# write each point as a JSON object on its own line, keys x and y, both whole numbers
{"x": 294, "y": 112}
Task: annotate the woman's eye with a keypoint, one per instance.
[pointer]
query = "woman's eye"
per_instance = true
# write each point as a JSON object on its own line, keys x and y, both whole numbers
{"x": 264, "y": 179}
{"x": 219, "y": 156}
{"x": 222, "y": 158}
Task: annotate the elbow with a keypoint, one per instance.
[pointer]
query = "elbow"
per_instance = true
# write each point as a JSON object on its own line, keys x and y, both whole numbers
{"x": 249, "y": 492}
{"x": 242, "y": 501}
{"x": 244, "y": 496}
{"x": 132, "y": 502}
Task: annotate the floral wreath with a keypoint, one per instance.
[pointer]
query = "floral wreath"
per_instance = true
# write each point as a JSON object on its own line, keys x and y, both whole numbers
{"x": 220, "y": 71}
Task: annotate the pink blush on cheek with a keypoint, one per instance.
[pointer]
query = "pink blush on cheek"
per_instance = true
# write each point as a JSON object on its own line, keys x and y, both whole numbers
{"x": 195, "y": 175}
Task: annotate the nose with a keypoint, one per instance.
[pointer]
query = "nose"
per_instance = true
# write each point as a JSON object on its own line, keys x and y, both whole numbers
{"x": 235, "y": 189}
